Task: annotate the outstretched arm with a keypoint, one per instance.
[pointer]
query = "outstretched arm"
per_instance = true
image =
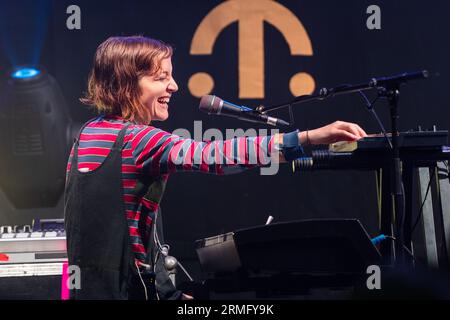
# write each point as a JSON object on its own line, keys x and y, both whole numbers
{"x": 158, "y": 152}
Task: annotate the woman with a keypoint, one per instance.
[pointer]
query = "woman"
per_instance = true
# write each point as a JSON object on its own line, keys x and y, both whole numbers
{"x": 119, "y": 165}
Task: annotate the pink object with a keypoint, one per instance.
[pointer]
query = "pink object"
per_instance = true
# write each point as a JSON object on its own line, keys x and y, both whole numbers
{"x": 64, "y": 278}
{"x": 4, "y": 257}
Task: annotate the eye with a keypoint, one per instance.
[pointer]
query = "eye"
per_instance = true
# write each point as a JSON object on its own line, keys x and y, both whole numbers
{"x": 163, "y": 76}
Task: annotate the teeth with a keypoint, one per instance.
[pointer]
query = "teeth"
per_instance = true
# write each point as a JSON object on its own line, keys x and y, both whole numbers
{"x": 163, "y": 100}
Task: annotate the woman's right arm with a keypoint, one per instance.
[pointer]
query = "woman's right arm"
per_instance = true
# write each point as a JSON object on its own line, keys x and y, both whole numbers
{"x": 158, "y": 152}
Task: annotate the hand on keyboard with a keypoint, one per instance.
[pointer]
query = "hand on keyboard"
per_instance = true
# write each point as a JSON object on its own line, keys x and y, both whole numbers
{"x": 336, "y": 131}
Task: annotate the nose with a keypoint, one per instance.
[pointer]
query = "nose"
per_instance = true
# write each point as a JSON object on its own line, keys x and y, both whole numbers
{"x": 173, "y": 87}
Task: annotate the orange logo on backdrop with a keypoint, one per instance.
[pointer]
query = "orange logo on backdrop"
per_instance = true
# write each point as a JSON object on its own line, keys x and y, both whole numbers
{"x": 251, "y": 15}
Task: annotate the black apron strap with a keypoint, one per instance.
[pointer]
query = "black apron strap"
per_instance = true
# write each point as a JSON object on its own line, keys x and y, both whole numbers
{"x": 97, "y": 230}
{"x": 76, "y": 139}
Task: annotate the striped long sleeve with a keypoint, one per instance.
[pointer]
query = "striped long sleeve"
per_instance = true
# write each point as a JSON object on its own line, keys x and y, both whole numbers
{"x": 158, "y": 152}
{"x": 151, "y": 151}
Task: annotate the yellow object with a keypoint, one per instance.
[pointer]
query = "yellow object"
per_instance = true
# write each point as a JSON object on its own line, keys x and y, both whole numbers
{"x": 343, "y": 146}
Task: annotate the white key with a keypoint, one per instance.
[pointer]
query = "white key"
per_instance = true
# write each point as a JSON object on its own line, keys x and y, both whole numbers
{"x": 22, "y": 235}
{"x": 37, "y": 234}
{"x": 49, "y": 234}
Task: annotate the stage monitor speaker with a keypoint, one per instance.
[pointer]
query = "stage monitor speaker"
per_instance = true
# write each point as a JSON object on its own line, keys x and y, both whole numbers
{"x": 317, "y": 246}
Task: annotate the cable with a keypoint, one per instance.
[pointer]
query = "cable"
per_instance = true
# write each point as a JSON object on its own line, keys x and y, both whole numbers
{"x": 370, "y": 106}
{"x": 164, "y": 250}
{"x": 157, "y": 243}
{"x": 423, "y": 201}
{"x": 403, "y": 215}
{"x": 383, "y": 237}
{"x": 185, "y": 271}
{"x": 142, "y": 280}
{"x": 291, "y": 115}
{"x": 409, "y": 252}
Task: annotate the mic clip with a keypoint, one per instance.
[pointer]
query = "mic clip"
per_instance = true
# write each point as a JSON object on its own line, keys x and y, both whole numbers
{"x": 260, "y": 109}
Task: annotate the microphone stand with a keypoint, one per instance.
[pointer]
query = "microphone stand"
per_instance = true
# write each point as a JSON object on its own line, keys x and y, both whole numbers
{"x": 388, "y": 87}
{"x": 325, "y": 93}
{"x": 392, "y": 93}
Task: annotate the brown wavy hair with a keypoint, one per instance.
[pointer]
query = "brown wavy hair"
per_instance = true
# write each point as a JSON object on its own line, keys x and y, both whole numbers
{"x": 119, "y": 63}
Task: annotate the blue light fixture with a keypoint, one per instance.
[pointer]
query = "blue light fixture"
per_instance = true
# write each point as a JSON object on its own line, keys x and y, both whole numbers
{"x": 25, "y": 73}
{"x": 35, "y": 130}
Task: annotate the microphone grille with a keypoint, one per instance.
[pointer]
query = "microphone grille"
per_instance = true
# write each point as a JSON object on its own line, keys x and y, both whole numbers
{"x": 210, "y": 104}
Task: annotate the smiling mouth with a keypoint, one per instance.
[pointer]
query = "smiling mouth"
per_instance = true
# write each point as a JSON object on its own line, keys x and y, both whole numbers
{"x": 164, "y": 101}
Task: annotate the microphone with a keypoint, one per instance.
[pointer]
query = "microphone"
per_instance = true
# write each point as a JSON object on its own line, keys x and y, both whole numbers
{"x": 397, "y": 79}
{"x": 214, "y": 105}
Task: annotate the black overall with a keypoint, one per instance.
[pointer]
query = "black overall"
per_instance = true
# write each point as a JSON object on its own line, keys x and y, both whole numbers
{"x": 97, "y": 232}
{"x": 96, "y": 227}
{"x": 98, "y": 237}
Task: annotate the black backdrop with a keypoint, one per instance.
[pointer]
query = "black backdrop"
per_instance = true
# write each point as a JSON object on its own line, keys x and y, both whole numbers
{"x": 414, "y": 35}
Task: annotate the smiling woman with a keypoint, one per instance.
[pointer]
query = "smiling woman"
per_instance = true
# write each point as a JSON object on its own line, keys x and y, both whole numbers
{"x": 156, "y": 91}
{"x": 128, "y": 76}
{"x": 119, "y": 166}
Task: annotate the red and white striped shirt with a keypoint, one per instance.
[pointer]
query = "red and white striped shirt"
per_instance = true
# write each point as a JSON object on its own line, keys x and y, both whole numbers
{"x": 149, "y": 151}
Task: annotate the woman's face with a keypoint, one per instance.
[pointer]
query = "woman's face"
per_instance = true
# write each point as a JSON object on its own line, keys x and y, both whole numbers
{"x": 157, "y": 89}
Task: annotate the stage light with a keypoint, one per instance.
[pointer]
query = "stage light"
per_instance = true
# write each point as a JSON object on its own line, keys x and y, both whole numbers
{"x": 36, "y": 134}
{"x": 25, "y": 73}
